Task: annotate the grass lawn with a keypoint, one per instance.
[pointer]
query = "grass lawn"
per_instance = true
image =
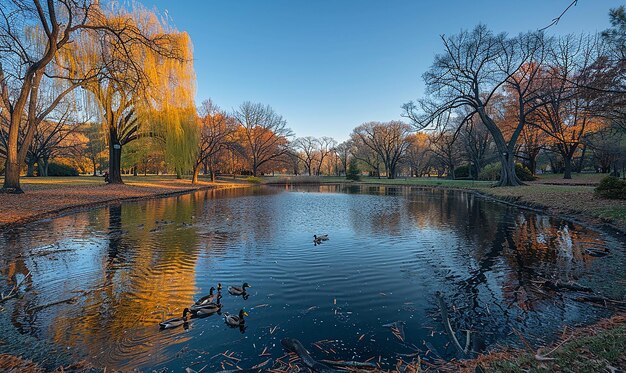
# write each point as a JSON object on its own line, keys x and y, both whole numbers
{"x": 596, "y": 348}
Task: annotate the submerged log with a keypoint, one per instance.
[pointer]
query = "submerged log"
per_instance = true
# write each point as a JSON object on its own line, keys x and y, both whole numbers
{"x": 294, "y": 345}
{"x": 557, "y": 285}
{"x": 350, "y": 364}
{"x": 603, "y": 301}
{"x": 446, "y": 323}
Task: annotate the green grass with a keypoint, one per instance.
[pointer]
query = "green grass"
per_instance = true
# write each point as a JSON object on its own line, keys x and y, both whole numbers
{"x": 612, "y": 212}
{"x": 582, "y": 178}
{"x": 595, "y": 353}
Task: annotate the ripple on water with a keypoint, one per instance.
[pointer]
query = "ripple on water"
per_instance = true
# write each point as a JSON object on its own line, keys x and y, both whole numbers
{"x": 102, "y": 279}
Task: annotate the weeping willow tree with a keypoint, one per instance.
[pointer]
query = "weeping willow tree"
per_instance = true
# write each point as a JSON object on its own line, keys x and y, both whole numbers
{"x": 145, "y": 85}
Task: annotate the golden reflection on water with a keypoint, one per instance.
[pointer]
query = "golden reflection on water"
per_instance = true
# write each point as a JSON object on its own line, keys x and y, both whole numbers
{"x": 129, "y": 261}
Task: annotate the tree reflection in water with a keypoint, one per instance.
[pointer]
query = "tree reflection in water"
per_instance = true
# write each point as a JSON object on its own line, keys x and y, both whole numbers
{"x": 100, "y": 278}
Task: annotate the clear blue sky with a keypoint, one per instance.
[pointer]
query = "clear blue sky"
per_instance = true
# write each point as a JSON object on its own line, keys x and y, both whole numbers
{"x": 330, "y": 65}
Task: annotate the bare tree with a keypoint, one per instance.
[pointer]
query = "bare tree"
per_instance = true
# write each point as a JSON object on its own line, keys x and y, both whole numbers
{"x": 388, "y": 140}
{"x": 343, "y": 152}
{"x": 326, "y": 149}
{"x": 307, "y": 148}
{"x": 265, "y": 134}
{"x": 473, "y": 70}
{"x": 32, "y": 35}
{"x": 608, "y": 146}
{"x": 476, "y": 143}
{"x": 365, "y": 155}
{"x": 216, "y": 129}
{"x": 418, "y": 154}
{"x": 444, "y": 146}
{"x": 50, "y": 139}
{"x": 568, "y": 108}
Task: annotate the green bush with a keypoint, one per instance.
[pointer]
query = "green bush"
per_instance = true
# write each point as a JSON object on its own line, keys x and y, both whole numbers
{"x": 523, "y": 173}
{"x": 462, "y": 172}
{"x": 59, "y": 169}
{"x": 353, "y": 171}
{"x": 253, "y": 179}
{"x": 492, "y": 172}
{"x": 612, "y": 188}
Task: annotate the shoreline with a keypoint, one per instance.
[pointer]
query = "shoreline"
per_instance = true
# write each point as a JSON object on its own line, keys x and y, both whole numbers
{"x": 487, "y": 359}
{"x": 574, "y": 216}
{"x": 579, "y": 217}
{"x": 117, "y": 196}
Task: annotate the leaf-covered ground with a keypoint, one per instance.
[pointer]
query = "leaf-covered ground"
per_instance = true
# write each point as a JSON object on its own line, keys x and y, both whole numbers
{"x": 44, "y": 196}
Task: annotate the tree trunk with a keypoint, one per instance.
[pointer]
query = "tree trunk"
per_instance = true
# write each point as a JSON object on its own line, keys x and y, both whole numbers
{"x": 12, "y": 174}
{"x": 212, "y": 171}
{"x": 115, "y": 161}
{"x": 93, "y": 162}
{"x": 507, "y": 171}
{"x": 196, "y": 171}
{"x": 579, "y": 167}
{"x": 532, "y": 164}
{"x": 46, "y": 162}
{"x": 505, "y": 152}
{"x": 30, "y": 162}
{"x": 391, "y": 173}
{"x": 568, "y": 167}
{"x": 179, "y": 174}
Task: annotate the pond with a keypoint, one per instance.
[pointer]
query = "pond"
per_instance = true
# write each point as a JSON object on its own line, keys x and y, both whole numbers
{"x": 100, "y": 280}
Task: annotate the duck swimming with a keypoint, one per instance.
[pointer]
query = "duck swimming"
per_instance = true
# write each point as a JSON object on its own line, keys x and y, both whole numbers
{"x": 205, "y": 299}
{"x": 233, "y": 320}
{"x": 236, "y": 290}
{"x": 317, "y": 240}
{"x": 209, "y": 308}
{"x": 175, "y": 321}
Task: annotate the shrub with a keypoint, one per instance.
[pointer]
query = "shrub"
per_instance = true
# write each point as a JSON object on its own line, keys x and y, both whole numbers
{"x": 253, "y": 179}
{"x": 492, "y": 172}
{"x": 353, "y": 171}
{"x": 462, "y": 171}
{"x": 58, "y": 169}
{"x": 523, "y": 173}
{"x": 612, "y": 188}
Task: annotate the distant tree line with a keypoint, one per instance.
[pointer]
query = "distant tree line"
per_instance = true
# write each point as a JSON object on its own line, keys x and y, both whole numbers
{"x": 108, "y": 87}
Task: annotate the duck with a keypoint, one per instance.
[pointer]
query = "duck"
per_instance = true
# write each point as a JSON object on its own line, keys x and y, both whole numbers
{"x": 233, "y": 320}
{"x": 236, "y": 290}
{"x": 175, "y": 321}
{"x": 209, "y": 308}
{"x": 320, "y": 238}
{"x": 205, "y": 299}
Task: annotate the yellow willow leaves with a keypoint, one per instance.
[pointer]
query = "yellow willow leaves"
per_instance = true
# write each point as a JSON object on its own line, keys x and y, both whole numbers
{"x": 145, "y": 70}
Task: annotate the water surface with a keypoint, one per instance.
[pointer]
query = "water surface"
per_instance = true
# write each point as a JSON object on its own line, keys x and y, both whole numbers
{"x": 101, "y": 279}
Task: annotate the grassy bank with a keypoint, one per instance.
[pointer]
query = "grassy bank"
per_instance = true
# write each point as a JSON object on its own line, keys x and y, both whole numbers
{"x": 596, "y": 348}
